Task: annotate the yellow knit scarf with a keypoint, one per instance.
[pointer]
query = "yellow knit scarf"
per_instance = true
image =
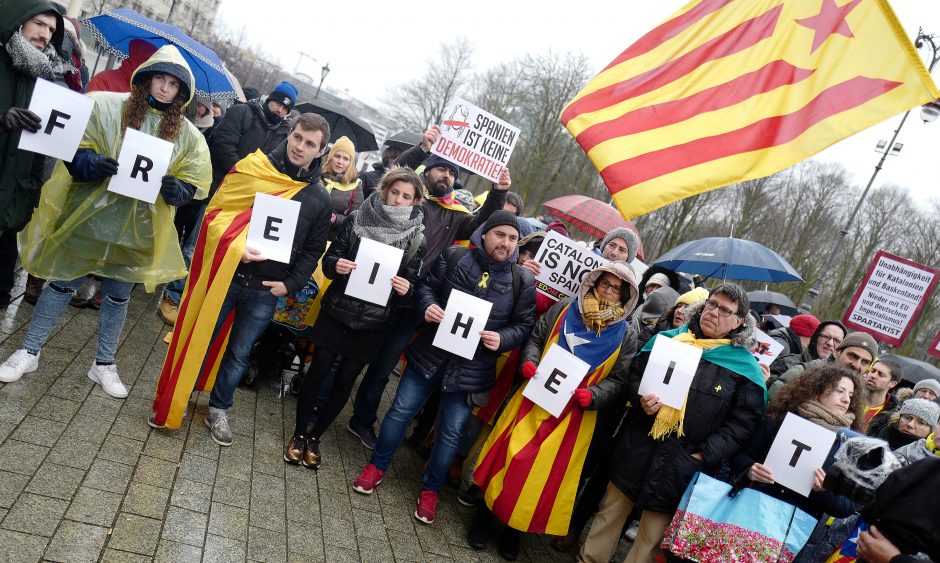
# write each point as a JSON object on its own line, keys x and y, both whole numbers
{"x": 597, "y": 312}
{"x": 932, "y": 445}
{"x": 669, "y": 419}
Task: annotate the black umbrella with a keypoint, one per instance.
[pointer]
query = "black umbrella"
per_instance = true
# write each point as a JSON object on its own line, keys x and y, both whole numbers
{"x": 914, "y": 370}
{"x": 759, "y": 299}
{"x": 342, "y": 123}
{"x": 404, "y": 140}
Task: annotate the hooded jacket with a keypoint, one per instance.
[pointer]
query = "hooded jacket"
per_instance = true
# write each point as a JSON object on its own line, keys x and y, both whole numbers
{"x": 511, "y": 318}
{"x": 21, "y": 172}
{"x": 784, "y": 369}
{"x": 119, "y": 79}
{"x": 243, "y": 130}
{"x": 723, "y": 410}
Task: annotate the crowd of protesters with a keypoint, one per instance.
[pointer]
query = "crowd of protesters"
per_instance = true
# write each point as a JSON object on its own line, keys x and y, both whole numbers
{"x": 613, "y": 461}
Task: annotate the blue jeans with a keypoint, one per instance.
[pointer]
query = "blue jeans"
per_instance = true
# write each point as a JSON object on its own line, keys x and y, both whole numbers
{"x": 254, "y": 308}
{"x": 413, "y": 391}
{"x": 366, "y": 406}
{"x": 174, "y": 290}
{"x": 55, "y": 298}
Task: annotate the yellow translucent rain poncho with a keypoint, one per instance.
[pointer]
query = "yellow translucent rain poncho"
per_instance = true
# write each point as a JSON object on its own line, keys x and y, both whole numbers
{"x": 80, "y": 228}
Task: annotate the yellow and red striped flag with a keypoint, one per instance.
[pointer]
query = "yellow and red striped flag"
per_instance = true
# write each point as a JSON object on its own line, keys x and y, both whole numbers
{"x": 730, "y": 90}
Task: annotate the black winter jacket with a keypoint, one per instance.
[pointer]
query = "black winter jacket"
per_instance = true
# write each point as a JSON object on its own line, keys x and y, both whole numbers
{"x": 354, "y": 313}
{"x": 370, "y": 179}
{"x": 443, "y": 226}
{"x": 722, "y": 412}
{"x": 243, "y": 130}
{"x": 755, "y": 451}
{"x": 309, "y": 236}
{"x": 512, "y": 320}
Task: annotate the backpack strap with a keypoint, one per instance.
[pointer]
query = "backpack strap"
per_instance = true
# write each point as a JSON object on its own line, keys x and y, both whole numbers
{"x": 455, "y": 256}
{"x": 413, "y": 249}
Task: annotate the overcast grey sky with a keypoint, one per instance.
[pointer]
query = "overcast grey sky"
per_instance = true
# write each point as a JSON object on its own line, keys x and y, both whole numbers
{"x": 372, "y": 46}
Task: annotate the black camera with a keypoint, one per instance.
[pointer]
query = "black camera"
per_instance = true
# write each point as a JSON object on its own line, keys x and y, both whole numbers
{"x": 861, "y": 464}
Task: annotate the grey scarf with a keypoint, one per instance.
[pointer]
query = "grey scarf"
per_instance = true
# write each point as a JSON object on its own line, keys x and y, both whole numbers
{"x": 814, "y": 411}
{"x": 33, "y": 62}
{"x": 389, "y": 225}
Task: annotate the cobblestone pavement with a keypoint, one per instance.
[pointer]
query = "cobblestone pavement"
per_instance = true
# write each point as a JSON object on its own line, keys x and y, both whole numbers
{"x": 84, "y": 478}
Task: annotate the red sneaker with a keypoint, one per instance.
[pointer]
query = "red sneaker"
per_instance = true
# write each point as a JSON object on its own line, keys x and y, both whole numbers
{"x": 427, "y": 507}
{"x": 368, "y": 480}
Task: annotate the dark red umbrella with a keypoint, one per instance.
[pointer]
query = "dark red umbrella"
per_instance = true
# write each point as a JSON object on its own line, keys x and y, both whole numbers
{"x": 592, "y": 216}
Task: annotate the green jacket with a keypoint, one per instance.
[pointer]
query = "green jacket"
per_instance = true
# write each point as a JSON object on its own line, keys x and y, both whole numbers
{"x": 20, "y": 171}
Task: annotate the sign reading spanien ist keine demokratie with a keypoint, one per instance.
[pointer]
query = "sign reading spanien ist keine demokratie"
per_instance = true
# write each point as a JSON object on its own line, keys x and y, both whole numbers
{"x": 890, "y": 298}
{"x": 563, "y": 264}
{"x": 475, "y": 140}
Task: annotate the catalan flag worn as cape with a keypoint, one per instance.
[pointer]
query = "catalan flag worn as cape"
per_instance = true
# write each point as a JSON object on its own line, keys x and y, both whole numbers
{"x": 218, "y": 252}
{"x": 531, "y": 463}
{"x": 730, "y": 90}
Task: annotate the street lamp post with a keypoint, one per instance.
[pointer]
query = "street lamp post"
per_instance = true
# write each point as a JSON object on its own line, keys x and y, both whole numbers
{"x": 323, "y": 72}
{"x": 928, "y": 113}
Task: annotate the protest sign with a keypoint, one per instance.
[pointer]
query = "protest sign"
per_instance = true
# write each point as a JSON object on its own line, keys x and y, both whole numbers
{"x": 64, "y": 116}
{"x": 563, "y": 264}
{"x": 798, "y": 450}
{"x": 669, "y": 371}
{"x": 476, "y": 140}
{"x": 766, "y": 350}
{"x": 142, "y": 164}
{"x": 273, "y": 222}
{"x": 934, "y": 349}
{"x": 556, "y": 378}
{"x": 464, "y": 318}
{"x": 376, "y": 263}
{"x": 890, "y": 298}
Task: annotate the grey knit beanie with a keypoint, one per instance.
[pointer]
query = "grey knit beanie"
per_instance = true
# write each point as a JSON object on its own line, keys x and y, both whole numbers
{"x": 928, "y": 411}
{"x": 928, "y": 383}
{"x": 633, "y": 241}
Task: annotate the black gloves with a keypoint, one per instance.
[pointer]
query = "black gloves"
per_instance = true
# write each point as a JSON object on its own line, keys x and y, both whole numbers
{"x": 176, "y": 192}
{"x": 16, "y": 119}
{"x": 106, "y": 166}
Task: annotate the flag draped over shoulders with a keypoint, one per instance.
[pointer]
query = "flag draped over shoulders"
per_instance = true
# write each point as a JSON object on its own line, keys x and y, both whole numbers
{"x": 218, "y": 253}
{"x": 531, "y": 464}
{"x": 730, "y": 90}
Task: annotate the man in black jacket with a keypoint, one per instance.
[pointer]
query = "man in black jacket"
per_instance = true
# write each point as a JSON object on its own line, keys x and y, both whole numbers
{"x": 488, "y": 272}
{"x": 445, "y": 221}
{"x": 258, "y": 283}
{"x": 245, "y": 128}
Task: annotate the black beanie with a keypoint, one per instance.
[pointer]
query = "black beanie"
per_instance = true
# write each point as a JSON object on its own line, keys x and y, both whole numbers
{"x": 499, "y": 218}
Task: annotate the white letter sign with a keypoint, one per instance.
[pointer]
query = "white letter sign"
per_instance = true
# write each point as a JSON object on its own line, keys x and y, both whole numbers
{"x": 464, "y": 318}
{"x": 556, "y": 378}
{"x": 798, "y": 450}
{"x": 669, "y": 371}
{"x": 142, "y": 164}
{"x": 273, "y": 222}
{"x": 64, "y": 116}
{"x": 475, "y": 140}
{"x": 766, "y": 349}
{"x": 564, "y": 263}
{"x": 376, "y": 263}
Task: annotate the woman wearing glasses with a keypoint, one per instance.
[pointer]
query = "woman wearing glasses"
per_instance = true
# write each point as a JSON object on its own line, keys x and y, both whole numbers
{"x": 914, "y": 420}
{"x": 661, "y": 447}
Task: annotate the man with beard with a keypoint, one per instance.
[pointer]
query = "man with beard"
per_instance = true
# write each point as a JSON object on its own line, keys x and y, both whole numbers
{"x": 246, "y": 128}
{"x": 445, "y": 221}
{"x": 31, "y": 33}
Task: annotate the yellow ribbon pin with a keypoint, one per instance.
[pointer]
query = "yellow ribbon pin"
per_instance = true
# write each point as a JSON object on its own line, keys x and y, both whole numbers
{"x": 717, "y": 388}
{"x": 484, "y": 279}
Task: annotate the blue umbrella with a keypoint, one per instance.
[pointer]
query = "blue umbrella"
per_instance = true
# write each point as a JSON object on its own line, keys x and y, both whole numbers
{"x": 116, "y": 29}
{"x": 729, "y": 258}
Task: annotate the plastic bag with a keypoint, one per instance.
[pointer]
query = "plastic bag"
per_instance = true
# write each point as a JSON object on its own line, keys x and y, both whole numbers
{"x": 860, "y": 466}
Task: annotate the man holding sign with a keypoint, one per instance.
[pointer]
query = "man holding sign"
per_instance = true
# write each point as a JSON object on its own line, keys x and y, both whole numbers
{"x": 662, "y": 447}
{"x": 31, "y": 32}
{"x": 232, "y": 291}
{"x": 592, "y": 327}
{"x": 81, "y": 228}
{"x": 487, "y": 272}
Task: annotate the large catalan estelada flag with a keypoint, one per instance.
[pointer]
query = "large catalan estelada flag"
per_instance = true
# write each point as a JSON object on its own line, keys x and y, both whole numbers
{"x": 730, "y": 90}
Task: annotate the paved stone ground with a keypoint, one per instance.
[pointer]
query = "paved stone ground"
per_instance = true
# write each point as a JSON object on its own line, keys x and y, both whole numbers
{"x": 83, "y": 478}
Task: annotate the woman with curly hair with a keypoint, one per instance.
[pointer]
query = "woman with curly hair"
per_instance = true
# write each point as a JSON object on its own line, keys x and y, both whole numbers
{"x": 827, "y": 395}
{"x": 81, "y": 228}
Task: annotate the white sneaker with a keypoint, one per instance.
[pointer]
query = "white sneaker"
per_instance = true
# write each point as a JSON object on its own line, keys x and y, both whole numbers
{"x": 631, "y": 532}
{"x": 107, "y": 376}
{"x": 20, "y": 363}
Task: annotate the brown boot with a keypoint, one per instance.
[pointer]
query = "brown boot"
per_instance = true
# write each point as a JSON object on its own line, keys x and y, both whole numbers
{"x": 168, "y": 311}
{"x": 294, "y": 450}
{"x": 33, "y": 289}
{"x": 565, "y": 543}
{"x": 455, "y": 473}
